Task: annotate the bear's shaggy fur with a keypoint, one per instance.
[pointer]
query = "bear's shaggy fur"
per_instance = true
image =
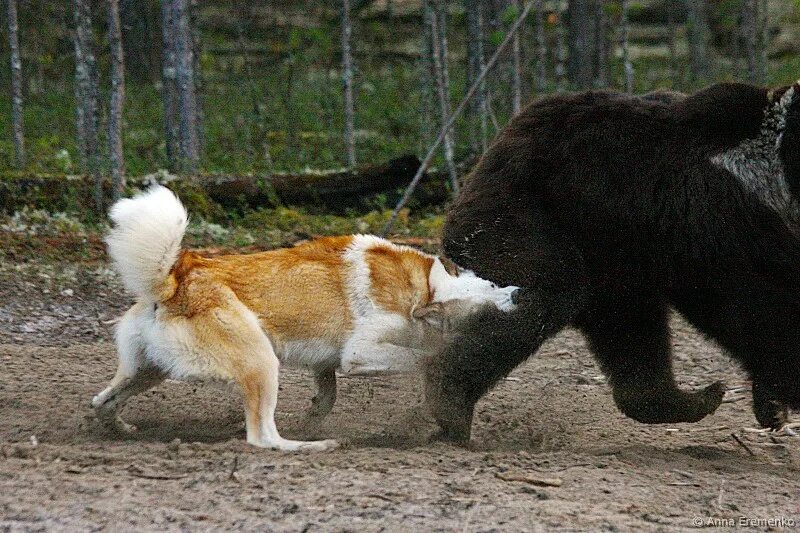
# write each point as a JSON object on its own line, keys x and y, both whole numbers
{"x": 609, "y": 209}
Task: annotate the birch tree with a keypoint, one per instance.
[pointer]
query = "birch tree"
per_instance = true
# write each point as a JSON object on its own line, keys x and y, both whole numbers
{"x": 187, "y": 103}
{"x": 541, "y": 49}
{"x": 477, "y": 112}
{"x": 16, "y": 86}
{"x": 751, "y": 34}
{"x": 115, "y": 154}
{"x": 86, "y": 96}
{"x": 169, "y": 86}
{"x": 347, "y": 82}
{"x": 697, "y": 32}
{"x": 516, "y": 67}
{"x": 437, "y": 21}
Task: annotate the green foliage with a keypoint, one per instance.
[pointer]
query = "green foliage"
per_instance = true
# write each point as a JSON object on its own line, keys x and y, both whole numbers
{"x": 496, "y": 37}
{"x": 510, "y": 15}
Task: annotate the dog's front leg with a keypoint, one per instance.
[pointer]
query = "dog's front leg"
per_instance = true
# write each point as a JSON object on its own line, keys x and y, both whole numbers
{"x": 325, "y": 394}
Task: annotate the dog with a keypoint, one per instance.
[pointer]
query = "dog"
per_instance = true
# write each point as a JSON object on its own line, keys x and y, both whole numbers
{"x": 356, "y": 303}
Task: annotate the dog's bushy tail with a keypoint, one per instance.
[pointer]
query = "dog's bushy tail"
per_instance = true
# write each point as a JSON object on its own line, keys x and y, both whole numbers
{"x": 146, "y": 240}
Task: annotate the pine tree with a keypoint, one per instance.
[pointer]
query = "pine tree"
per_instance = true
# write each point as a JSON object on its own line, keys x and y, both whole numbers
{"x": 541, "y": 48}
{"x": 581, "y": 37}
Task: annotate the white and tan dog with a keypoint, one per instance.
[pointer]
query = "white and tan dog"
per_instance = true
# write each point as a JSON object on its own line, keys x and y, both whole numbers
{"x": 356, "y": 303}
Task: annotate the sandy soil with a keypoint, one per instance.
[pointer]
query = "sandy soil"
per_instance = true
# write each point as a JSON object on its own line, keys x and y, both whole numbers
{"x": 189, "y": 467}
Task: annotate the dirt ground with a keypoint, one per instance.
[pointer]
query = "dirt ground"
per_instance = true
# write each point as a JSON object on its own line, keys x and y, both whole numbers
{"x": 189, "y": 468}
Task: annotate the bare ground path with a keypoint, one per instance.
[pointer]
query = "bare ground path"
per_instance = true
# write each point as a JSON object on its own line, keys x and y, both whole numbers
{"x": 190, "y": 468}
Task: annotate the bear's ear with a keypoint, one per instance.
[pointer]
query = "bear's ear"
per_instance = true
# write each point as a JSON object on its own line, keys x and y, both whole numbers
{"x": 790, "y": 140}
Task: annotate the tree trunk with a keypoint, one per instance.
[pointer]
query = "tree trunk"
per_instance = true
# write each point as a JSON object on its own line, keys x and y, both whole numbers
{"x": 672, "y": 45}
{"x": 561, "y": 52}
{"x": 750, "y": 32}
{"x": 199, "y": 81}
{"x": 541, "y": 49}
{"x": 116, "y": 157}
{"x": 187, "y": 102}
{"x": 698, "y": 36}
{"x": 245, "y": 14}
{"x": 16, "y": 86}
{"x": 86, "y": 97}
{"x": 168, "y": 81}
{"x": 437, "y": 21}
{"x": 427, "y": 79}
{"x": 347, "y": 81}
{"x": 625, "y": 44}
{"x": 477, "y": 111}
{"x": 581, "y": 43}
{"x": 516, "y": 68}
{"x": 601, "y": 45}
{"x": 764, "y": 41}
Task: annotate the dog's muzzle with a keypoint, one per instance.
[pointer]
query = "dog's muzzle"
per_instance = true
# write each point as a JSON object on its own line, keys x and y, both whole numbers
{"x": 515, "y": 297}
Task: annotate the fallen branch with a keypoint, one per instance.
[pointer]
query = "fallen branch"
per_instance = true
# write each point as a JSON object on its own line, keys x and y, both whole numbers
{"x": 530, "y": 479}
{"x": 137, "y": 471}
{"x": 742, "y": 444}
{"x": 448, "y": 126}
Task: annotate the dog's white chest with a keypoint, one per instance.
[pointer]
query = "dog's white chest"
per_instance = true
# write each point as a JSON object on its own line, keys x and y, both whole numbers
{"x": 311, "y": 353}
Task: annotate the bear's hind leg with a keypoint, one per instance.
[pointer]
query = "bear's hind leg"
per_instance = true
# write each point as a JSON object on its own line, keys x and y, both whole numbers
{"x": 629, "y": 335}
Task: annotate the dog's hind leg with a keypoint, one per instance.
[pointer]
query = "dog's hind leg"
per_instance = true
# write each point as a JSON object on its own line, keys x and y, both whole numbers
{"x": 133, "y": 375}
{"x": 114, "y": 398}
{"x": 230, "y": 345}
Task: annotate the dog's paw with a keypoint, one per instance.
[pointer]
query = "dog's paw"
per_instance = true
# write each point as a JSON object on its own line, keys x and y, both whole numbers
{"x": 100, "y": 398}
{"x": 319, "y": 445}
{"x": 284, "y": 445}
{"x": 111, "y": 420}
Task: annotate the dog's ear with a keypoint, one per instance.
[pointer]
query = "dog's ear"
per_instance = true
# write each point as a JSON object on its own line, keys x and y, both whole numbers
{"x": 449, "y": 267}
{"x": 438, "y": 275}
{"x": 432, "y": 314}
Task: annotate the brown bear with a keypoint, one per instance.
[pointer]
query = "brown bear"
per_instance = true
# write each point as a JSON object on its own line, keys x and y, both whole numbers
{"x": 610, "y": 209}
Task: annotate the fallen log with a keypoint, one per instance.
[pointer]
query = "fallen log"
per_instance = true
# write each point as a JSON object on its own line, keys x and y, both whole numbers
{"x": 336, "y": 191}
